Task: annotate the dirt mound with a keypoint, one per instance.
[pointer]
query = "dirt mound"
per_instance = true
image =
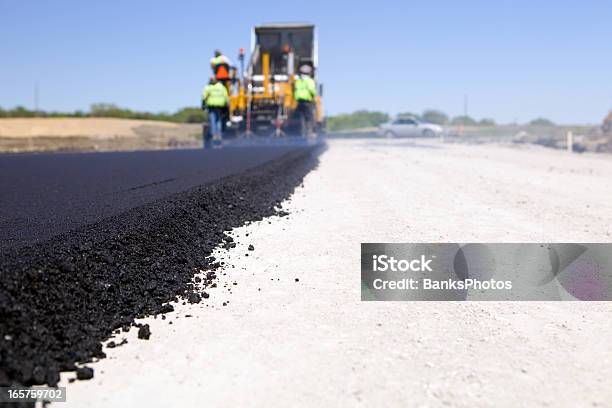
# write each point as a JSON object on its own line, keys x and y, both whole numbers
{"x": 94, "y": 134}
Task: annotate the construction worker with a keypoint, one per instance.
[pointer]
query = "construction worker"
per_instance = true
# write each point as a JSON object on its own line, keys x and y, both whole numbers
{"x": 220, "y": 65}
{"x": 215, "y": 100}
{"x": 304, "y": 92}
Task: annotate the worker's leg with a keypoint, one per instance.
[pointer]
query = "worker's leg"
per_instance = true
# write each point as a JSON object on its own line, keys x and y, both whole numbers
{"x": 206, "y": 136}
{"x": 213, "y": 122}
{"x": 220, "y": 115}
{"x": 224, "y": 119}
{"x": 303, "y": 118}
{"x": 309, "y": 119}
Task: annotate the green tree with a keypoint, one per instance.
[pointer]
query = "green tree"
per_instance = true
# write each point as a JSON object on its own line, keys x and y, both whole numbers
{"x": 541, "y": 122}
{"x": 189, "y": 115}
{"x": 486, "y": 122}
{"x": 407, "y": 115}
{"x": 104, "y": 110}
{"x": 464, "y": 120}
{"x": 356, "y": 120}
{"x": 20, "y": 112}
{"x": 435, "y": 116}
{"x": 109, "y": 110}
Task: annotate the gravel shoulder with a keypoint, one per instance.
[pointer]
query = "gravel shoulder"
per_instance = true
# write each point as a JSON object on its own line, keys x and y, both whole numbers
{"x": 295, "y": 331}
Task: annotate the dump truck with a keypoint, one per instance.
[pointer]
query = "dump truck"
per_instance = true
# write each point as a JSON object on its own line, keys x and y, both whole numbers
{"x": 261, "y": 94}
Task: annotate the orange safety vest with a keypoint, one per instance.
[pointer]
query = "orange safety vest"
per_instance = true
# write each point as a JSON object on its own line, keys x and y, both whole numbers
{"x": 221, "y": 67}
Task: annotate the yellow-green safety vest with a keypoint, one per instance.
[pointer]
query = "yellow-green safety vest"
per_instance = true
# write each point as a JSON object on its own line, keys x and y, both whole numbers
{"x": 304, "y": 89}
{"x": 215, "y": 95}
{"x": 218, "y": 60}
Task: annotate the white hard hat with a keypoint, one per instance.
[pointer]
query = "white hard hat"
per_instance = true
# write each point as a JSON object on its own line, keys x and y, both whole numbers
{"x": 305, "y": 69}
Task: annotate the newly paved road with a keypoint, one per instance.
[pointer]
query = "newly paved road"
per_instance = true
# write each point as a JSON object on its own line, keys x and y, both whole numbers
{"x": 42, "y": 195}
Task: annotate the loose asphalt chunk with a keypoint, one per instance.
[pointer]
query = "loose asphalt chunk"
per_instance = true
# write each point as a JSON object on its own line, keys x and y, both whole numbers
{"x": 61, "y": 298}
{"x": 85, "y": 373}
{"x": 144, "y": 332}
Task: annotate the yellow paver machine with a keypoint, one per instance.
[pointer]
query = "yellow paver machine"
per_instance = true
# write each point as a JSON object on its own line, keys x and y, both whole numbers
{"x": 261, "y": 94}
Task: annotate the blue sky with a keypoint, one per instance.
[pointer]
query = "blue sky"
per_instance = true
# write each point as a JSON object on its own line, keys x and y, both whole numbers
{"x": 515, "y": 60}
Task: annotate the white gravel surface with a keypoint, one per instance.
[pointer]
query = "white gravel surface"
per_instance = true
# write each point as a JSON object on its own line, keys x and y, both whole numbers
{"x": 312, "y": 342}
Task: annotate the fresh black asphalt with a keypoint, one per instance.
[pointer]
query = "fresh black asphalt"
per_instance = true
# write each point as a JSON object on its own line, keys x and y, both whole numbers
{"x": 43, "y": 195}
{"x": 98, "y": 240}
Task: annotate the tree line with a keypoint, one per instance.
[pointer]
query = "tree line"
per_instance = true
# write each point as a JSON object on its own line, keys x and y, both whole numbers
{"x": 107, "y": 110}
{"x": 365, "y": 118}
{"x": 347, "y": 121}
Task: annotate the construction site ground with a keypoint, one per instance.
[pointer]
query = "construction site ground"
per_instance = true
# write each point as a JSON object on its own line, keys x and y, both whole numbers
{"x": 286, "y": 322}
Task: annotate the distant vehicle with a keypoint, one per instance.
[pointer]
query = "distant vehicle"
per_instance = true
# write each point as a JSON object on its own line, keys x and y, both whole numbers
{"x": 409, "y": 127}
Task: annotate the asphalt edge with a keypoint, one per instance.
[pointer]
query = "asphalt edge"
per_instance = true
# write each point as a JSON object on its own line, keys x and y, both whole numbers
{"x": 60, "y": 299}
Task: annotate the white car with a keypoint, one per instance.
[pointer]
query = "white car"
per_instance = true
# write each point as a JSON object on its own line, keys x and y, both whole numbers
{"x": 409, "y": 127}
